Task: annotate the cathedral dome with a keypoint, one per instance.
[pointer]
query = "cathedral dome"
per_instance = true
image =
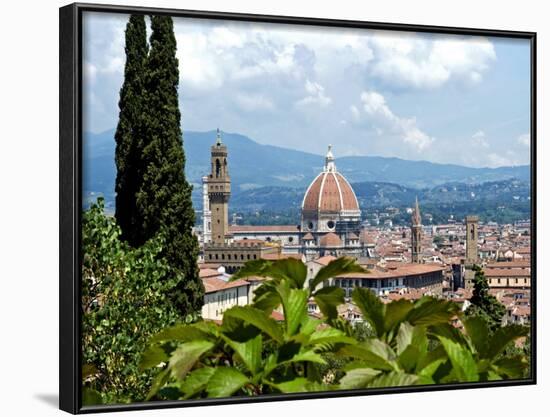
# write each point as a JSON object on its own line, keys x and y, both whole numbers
{"x": 330, "y": 192}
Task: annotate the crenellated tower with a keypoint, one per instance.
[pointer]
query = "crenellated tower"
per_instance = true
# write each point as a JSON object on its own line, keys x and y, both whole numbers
{"x": 219, "y": 190}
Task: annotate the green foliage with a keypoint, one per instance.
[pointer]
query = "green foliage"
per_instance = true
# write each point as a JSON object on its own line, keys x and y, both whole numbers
{"x": 129, "y": 135}
{"x": 400, "y": 343}
{"x": 483, "y": 303}
{"x": 123, "y": 304}
{"x": 153, "y": 195}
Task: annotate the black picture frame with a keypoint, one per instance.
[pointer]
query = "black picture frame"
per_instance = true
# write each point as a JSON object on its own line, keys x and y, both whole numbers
{"x": 70, "y": 202}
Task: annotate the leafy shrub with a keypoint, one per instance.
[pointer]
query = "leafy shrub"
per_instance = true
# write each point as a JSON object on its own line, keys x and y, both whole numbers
{"x": 250, "y": 353}
{"x": 124, "y": 303}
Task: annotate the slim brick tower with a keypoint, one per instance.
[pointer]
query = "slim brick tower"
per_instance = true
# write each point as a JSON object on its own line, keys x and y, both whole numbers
{"x": 416, "y": 235}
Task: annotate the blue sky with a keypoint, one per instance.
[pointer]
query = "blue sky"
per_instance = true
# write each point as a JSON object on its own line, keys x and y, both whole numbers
{"x": 448, "y": 99}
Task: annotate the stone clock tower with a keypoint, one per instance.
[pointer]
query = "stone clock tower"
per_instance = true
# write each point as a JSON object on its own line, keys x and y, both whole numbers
{"x": 219, "y": 190}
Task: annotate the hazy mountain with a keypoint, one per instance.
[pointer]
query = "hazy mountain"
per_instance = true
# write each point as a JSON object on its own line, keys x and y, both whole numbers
{"x": 253, "y": 165}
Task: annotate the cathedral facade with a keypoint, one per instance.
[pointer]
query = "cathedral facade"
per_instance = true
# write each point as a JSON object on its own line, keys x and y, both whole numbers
{"x": 330, "y": 220}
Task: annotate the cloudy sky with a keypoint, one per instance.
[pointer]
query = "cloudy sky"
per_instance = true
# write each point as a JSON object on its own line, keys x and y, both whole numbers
{"x": 449, "y": 99}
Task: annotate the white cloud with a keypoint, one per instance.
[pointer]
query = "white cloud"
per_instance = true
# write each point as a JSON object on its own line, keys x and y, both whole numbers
{"x": 419, "y": 61}
{"x": 479, "y": 139}
{"x": 525, "y": 139}
{"x": 316, "y": 95}
{"x": 250, "y": 102}
{"x": 377, "y": 111}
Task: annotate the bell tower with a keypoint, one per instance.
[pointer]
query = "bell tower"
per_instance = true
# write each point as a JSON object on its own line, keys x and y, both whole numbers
{"x": 219, "y": 190}
{"x": 471, "y": 240}
{"x": 416, "y": 234}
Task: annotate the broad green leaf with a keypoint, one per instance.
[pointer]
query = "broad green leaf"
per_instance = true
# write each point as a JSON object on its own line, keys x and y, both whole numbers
{"x": 256, "y": 268}
{"x": 461, "y": 358}
{"x": 493, "y": 376}
{"x": 369, "y": 358}
{"x": 160, "y": 379}
{"x": 393, "y": 379}
{"x": 358, "y": 378}
{"x": 91, "y": 397}
{"x": 186, "y": 355}
{"x": 478, "y": 332}
{"x": 196, "y": 381}
{"x": 404, "y": 337}
{"x": 266, "y": 297}
{"x": 330, "y": 335}
{"x": 289, "y": 269}
{"x": 371, "y": 307}
{"x": 259, "y": 319}
{"x": 328, "y": 299}
{"x": 298, "y": 384}
{"x": 294, "y": 306}
{"x": 396, "y": 311}
{"x": 309, "y": 325}
{"x": 429, "y": 369}
{"x": 153, "y": 356}
{"x": 429, "y": 311}
{"x": 513, "y": 367}
{"x": 340, "y": 266}
{"x": 183, "y": 333}
{"x": 503, "y": 336}
{"x": 224, "y": 382}
{"x": 250, "y": 352}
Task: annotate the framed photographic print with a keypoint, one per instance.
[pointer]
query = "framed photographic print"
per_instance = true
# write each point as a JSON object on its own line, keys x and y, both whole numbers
{"x": 264, "y": 208}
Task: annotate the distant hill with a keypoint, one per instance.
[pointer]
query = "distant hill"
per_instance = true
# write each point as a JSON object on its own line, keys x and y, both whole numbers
{"x": 380, "y": 194}
{"x": 253, "y": 166}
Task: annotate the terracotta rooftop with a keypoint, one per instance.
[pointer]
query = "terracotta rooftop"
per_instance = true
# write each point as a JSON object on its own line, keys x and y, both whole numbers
{"x": 511, "y": 264}
{"x": 393, "y": 271}
{"x": 513, "y": 272}
{"x": 214, "y": 284}
{"x": 324, "y": 260}
{"x": 308, "y": 236}
{"x": 330, "y": 240}
{"x": 207, "y": 272}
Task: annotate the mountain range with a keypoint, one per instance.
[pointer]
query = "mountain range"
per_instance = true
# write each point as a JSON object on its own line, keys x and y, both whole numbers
{"x": 255, "y": 166}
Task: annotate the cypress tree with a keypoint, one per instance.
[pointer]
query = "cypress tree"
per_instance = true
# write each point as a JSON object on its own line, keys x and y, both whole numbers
{"x": 483, "y": 303}
{"x": 129, "y": 131}
{"x": 164, "y": 198}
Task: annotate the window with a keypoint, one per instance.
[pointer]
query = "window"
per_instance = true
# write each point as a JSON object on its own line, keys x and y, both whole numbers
{"x": 330, "y": 224}
{"x": 216, "y": 256}
{"x": 248, "y": 256}
{"x": 223, "y": 255}
{"x": 291, "y": 239}
{"x": 210, "y": 256}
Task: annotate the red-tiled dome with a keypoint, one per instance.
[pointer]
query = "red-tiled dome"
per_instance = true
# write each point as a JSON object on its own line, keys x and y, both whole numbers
{"x": 330, "y": 192}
